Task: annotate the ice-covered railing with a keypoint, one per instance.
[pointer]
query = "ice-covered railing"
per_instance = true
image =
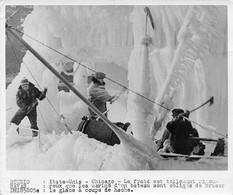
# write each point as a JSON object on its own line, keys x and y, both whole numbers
{"x": 181, "y": 53}
{"x": 196, "y": 38}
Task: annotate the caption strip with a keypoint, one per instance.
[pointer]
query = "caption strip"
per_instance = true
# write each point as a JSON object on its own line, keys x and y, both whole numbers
{"x": 95, "y": 185}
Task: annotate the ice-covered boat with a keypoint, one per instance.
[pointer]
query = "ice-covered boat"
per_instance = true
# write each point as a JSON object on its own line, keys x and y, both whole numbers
{"x": 142, "y": 145}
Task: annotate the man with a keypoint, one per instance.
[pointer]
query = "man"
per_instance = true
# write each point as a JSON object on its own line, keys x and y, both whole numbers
{"x": 166, "y": 136}
{"x": 98, "y": 95}
{"x": 26, "y": 99}
{"x": 180, "y": 129}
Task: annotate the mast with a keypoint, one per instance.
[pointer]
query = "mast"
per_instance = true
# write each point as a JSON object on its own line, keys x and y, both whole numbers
{"x": 130, "y": 144}
{"x": 41, "y": 59}
{"x": 142, "y": 109}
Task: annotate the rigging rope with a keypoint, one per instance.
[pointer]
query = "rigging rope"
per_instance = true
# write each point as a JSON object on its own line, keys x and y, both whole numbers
{"x": 39, "y": 131}
{"x": 40, "y": 145}
{"x": 96, "y": 72}
{"x": 93, "y": 70}
{"x": 34, "y": 80}
{"x": 43, "y": 120}
{"x": 39, "y": 87}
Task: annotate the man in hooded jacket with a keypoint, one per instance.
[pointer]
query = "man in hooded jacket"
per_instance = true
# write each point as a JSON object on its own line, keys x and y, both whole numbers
{"x": 26, "y": 99}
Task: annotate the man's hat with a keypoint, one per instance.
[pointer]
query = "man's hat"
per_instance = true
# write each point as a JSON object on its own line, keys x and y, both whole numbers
{"x": 24, "y": 81}
{"x": 177, "y": 111}
{"x": 99, "y": 75}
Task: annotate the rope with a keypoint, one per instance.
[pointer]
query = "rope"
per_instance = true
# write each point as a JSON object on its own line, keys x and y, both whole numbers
{"x": 96, "y": 72}
{"x": 43, "y": 120}
{"x": 40, "y": 145}
{"x": 203, "y": 126}
{"x": 8, "y": 109}
{"x": 39, "y": 87}
{"x": 92, "y": 70}
{"x": 34, "y": 79}
{"x": 13, "y": 14}
{"x": 39, "y": 132}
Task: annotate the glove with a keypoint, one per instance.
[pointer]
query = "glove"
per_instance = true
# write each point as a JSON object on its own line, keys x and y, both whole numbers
{"x": 113, "y": 99}
{"x": 186, "y": 114}
{"x": 45, "y": 91}
{"x": 43, "y": 94}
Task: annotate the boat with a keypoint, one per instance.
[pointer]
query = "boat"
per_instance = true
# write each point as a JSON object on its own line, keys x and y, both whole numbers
{"x": 99, "y": 130}
{"x": 112, "y": 128}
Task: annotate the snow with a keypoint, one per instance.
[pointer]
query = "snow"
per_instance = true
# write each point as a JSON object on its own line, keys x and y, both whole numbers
{"x": 95, "y": 39}
{"x": 78, "y": 152}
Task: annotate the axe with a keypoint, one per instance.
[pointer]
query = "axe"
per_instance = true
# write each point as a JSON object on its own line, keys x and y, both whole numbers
{"x": 148, "y": 14}
{"x": 211, "y": 101}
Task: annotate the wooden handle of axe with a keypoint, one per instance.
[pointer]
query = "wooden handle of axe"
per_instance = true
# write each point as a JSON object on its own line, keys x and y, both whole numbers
{"x": 211, "y": 101}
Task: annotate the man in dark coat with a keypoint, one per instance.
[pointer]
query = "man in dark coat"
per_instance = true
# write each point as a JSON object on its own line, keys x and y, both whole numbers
{"x": 180, "y": 129}
{"x": 26, "y": 99}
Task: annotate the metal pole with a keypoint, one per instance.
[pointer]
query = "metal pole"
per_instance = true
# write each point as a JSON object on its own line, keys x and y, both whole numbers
{"x": 92, "y": 107}
{"x": 203, "y": 139}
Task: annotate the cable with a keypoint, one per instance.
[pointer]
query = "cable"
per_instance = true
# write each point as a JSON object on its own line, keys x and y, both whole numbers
{"x": 43, "y": 120}
{"x": 93, "y": 70}
{"x": 35, "y": 81}
{"x": 13, "y": 14}
{"x": 39, "y": 87}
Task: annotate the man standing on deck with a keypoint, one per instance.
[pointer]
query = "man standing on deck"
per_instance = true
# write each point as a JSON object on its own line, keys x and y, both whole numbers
{"x": 26, "y": 99}
{"x": 98, "y": 95}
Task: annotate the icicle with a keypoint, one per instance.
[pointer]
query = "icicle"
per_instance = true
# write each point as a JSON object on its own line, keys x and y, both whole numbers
{"x": 181, "y": 37}
{"x": 144, "y": 88}
{"x": 143, "y": 107}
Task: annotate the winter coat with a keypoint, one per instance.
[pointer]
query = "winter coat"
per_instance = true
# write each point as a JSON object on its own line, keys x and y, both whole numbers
{"x": 25, "y": 98}
{"x": 98, "y": 96}
{"x": 180, "y": 130}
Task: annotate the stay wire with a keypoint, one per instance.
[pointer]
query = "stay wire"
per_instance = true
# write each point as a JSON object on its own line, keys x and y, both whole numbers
{"x": 43, "y": 120}
{"x": 38, "y": 108}
{"x": 40, "y": 89}
{"x": 40, "y": 145}
{"x": 94, "y": 70}
{"x": 35, "y": 80}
